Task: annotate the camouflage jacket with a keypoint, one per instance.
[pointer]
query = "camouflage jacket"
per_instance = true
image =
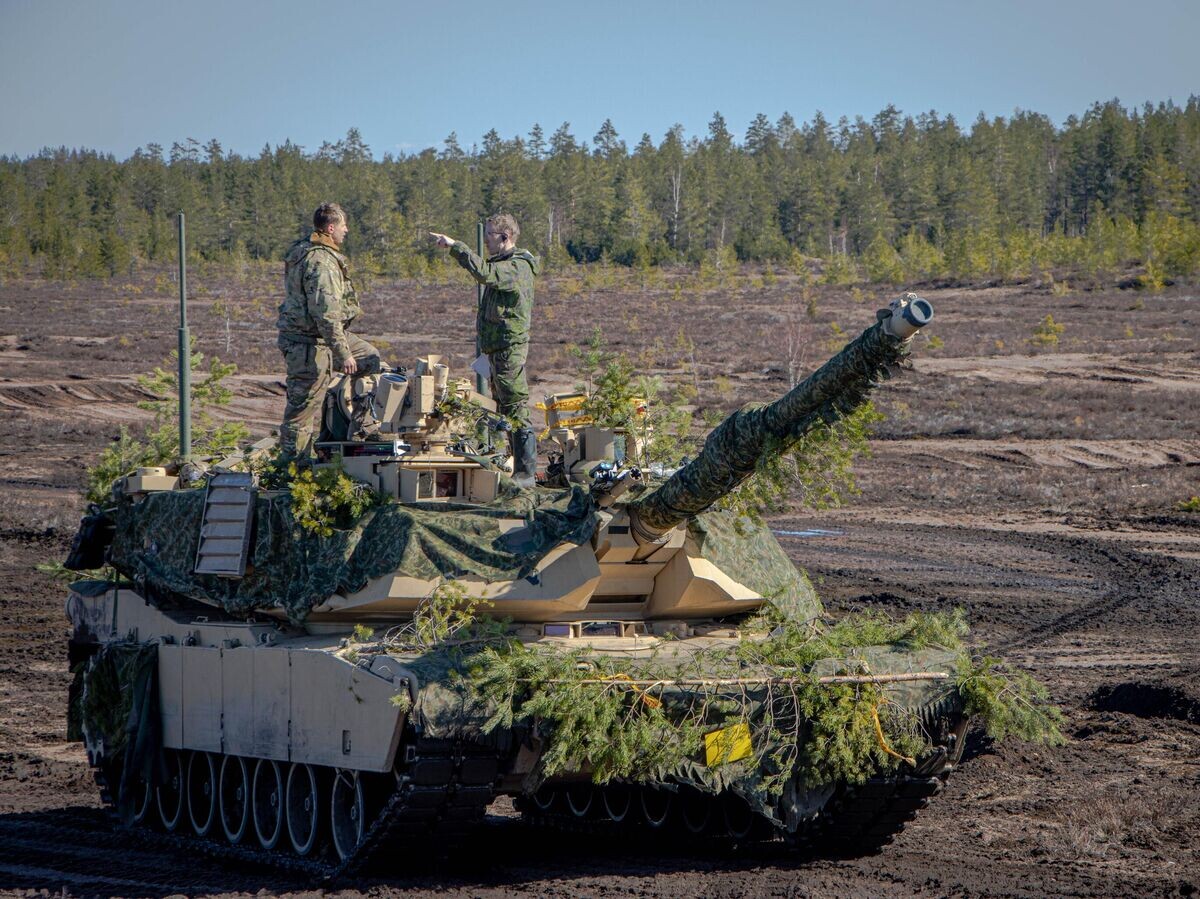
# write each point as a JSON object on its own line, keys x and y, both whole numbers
{"x": 321, "y": 301}
{"x": 507, "y": 305}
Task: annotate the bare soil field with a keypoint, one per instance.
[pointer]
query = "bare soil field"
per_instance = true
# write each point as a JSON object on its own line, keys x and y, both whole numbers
{"x": 1036, "y": 486}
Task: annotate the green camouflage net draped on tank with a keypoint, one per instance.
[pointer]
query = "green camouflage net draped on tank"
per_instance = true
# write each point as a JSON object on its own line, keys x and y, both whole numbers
{"x": 446, "y": 707}
{"x": 115, "y": 713}
{"x": 293, "y": 569}
{"x": 750, "y": 554}
{"x": 925, "y": 701}
{"x": 114, "y": 686}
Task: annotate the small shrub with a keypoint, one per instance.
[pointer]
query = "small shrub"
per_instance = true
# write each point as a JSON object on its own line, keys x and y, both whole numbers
{"x": 817, "y": 470}
{"x": 1009, "y": 702}
{"x": 328, "y": 498}
{"x": 882, "y": 262}
{"x": 1046, "y": 334}
{"x": 840, "y": 270}
{"x": 1191, "y": 504}
{"x": 1058, "y": 288}
{"x": 159, "y": 444}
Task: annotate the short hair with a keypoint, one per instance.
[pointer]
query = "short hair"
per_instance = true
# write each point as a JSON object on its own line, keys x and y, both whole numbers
{"x": 327, "y": 214}
{"x": 505, "y": 223}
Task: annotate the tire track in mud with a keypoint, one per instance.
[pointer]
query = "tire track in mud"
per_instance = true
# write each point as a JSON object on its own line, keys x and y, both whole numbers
{"x": 1174, "y": 371}
{"x": 74, "y": 393}
{"x": 71, "y": 394}
{"x": 1033, "y": 587}
{"x": 1103, "y": 455}
{"x": 1159, "y": 583}
{"x": 76, "y": 849}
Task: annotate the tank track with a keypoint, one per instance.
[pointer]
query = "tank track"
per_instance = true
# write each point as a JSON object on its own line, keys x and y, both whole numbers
{"x": 442, "y": 790}
{"x": 856, "y": 820}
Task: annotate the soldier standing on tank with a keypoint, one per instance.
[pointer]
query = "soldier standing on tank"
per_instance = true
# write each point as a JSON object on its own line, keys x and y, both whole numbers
{"x": 502, "y": 325}
{"x": 314, "y": 322}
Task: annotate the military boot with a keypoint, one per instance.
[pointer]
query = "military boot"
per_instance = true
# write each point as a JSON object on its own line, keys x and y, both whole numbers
{"x": 523, "y": 442}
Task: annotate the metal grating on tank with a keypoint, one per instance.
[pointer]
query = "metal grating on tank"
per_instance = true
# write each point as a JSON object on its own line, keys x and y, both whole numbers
{"x": 228, "y": 518}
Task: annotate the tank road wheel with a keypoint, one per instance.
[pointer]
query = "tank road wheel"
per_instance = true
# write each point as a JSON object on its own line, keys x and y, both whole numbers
{"x": 580, "y": 798}
{"x": 170, "y": 793}
{"x": 739, "y": 817}
{"x": 695, "y": 808}
{"x": 233, "y": 798}
{"x": 347, "y": 811}
{"x": 656, "y": 806}
{"x": 543, "y": 799}
{"x": 302, "y": 808}
{"x": 618, "y": 800}
{"x": 143, "y": 801}
{"x": 202, "y": 792}
{"x": 267, "y": 803}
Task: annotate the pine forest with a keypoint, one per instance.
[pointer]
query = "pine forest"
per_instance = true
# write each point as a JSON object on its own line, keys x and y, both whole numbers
{"x": 1113, "y": 193}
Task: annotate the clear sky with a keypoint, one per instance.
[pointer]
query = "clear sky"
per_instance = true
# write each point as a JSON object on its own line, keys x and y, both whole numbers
{"x": 113, "y": 75}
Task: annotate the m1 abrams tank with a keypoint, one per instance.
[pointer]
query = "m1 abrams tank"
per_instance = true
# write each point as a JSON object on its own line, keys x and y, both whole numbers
{"x": 259, "y": 689}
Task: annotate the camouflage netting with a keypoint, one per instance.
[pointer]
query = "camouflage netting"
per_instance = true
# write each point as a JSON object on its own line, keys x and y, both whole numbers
{"x": 115, "y": 712}
{"x": 925, "y": 701}
{"x": 293, "y": 569}
{"x": 750, "y": 554}
{"x": 446, "y": 707}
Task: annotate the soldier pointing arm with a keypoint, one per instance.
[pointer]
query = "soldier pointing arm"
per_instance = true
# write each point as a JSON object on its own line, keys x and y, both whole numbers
{"x": 502, "y": 323}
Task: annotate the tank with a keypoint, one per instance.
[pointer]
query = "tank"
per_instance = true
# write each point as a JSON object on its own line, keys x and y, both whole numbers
{"x": 308, "y": 698}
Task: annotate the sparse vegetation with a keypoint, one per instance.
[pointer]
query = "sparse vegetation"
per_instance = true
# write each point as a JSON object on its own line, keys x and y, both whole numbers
{"x": 326, "y": 498}
{"x": 817, "y": 471}
{"x": 1047, "y": 332}
{"x": 159, "y": 444}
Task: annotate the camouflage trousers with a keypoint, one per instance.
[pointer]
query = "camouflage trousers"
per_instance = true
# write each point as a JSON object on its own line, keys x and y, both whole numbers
{"x": 510, "y": 390}
{"x": 309, "y": 371}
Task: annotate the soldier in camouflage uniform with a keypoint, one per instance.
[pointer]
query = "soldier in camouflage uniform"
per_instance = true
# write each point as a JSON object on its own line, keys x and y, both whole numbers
{"x": 313, "y": 327}
{"x": 502, "y": 326}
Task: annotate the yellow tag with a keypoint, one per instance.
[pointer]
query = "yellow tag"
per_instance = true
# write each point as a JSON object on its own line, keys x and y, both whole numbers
{"x": 727, "y": 745}
{"x": 574, "y": 421}
{"x": 563, "y": 402}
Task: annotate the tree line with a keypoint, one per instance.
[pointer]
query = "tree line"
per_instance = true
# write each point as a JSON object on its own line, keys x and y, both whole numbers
{"x": 895, "y": 198}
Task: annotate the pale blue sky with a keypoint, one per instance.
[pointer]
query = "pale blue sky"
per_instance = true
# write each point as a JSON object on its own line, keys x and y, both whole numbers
{"x": 116, "y": 75}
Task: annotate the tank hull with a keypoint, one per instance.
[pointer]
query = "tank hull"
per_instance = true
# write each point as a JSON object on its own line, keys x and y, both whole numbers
{"x": 290, "y": 720}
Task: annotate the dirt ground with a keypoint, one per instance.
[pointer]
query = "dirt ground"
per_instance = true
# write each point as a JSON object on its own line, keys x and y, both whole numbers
{"x": 1037, "y": 486}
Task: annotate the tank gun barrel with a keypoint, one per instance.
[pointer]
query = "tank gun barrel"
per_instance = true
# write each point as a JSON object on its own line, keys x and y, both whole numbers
{"x": 733, "y": 450}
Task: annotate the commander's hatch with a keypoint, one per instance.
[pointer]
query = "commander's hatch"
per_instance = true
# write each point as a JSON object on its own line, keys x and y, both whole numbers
{"x": 228, "y": 520}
